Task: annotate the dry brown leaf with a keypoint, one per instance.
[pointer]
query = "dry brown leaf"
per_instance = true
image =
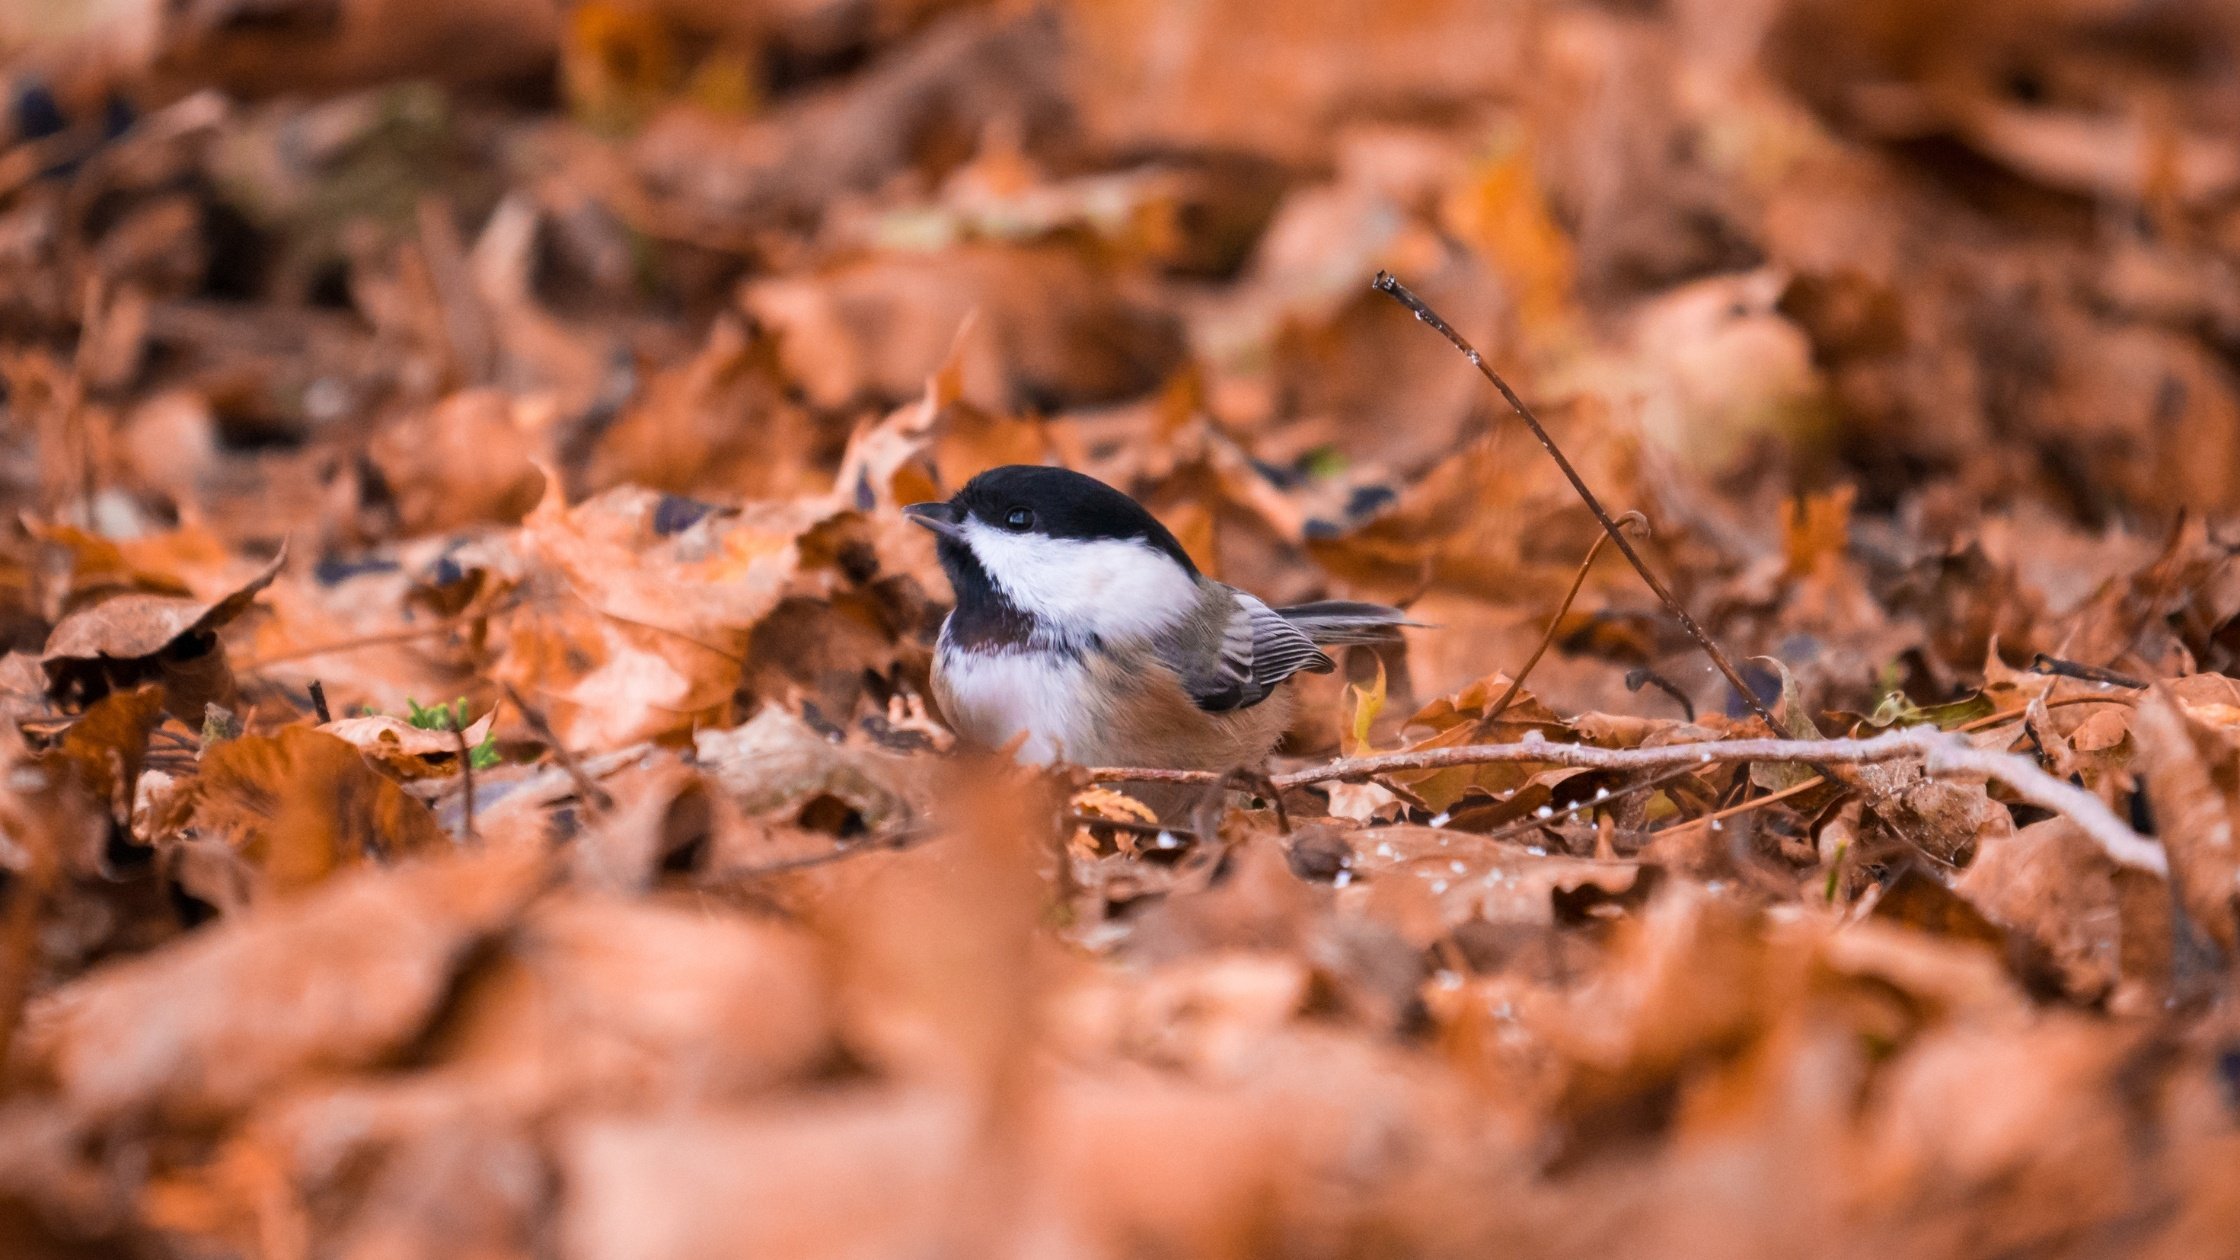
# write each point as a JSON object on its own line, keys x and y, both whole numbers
{"x": 596, "y": 997}
{"x": 717, "y": 422}
{"x": 774, "y": 763}
{"x": 102, "y": 752}
{"x": 701, "y": 176}
{"x": 1461, "y": 719}
{"x": 1047, "y": 329}
{"x": 342, "y": 977}
{"x": 628, "y": 634}
{"x": 1471, "y": 881}
{"x": 2192, "y": 774}
{"x": 2050, "y": 882}
{"x": 1908, "y": 330}
{"x": 129, "y": 639}
{"x": 467, "y": 460}
{"x": 1216, "y": 77}
{"x": 273, "y": 815}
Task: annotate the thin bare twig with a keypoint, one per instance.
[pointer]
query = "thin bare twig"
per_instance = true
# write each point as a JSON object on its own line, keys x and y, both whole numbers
{"x": 1257, "y": 780}
{"x": 319, "y": 703}
{"x": 1940, "y": 752}
{"x": 1891, "y": 747}
{"x": 1816, "y": 781}
{"x": 1578, "y": 580}
{"x": 1386, "y": 283}
{"x": 589, "y": 792}
{"x": 2026, "y": 780}
{"x": 1759, "y": 802}
{"x": 840, "y": 852}
{"x": 1643, "y": 676}
{"x": 466, "y": 775}
{"x": 428, "y": 631}
{"x": 2054, "y": 665}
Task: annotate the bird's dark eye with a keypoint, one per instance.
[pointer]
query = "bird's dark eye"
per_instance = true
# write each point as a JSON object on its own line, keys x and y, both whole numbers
{"x": 1018, "y": 520}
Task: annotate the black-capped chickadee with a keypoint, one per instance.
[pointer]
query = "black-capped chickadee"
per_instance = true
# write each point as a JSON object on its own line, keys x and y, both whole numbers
{"x": 1081, "y": 625}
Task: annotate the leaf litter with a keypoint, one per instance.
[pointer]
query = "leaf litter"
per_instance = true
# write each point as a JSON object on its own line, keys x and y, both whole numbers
{"x": 570, "y": 367}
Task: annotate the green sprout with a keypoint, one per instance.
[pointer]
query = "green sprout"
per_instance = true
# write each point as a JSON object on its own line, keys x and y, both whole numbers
{"x": 453, "y": 717}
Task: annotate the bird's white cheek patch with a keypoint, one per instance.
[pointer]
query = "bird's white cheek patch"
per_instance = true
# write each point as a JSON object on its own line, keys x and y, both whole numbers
{"x": 1120, "y": 589}
{"x": 994, "y": 697}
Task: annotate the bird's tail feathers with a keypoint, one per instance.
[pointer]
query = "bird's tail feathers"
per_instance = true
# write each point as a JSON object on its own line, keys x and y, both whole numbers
{"x": 1335, "y": 622}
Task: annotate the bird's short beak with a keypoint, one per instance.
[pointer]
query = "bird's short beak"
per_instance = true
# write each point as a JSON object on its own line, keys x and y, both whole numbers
{"x": 942, "y": 518}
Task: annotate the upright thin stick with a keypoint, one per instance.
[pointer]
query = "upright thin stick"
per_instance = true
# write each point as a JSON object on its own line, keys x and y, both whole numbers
{"x": 466, "y": 774}
{"x": 591, "y": 794}
{"x": 1400, "y": 293}
{"x": 1555, "y": 623}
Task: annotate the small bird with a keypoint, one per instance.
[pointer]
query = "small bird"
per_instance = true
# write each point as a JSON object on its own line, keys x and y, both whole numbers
{"x": 1082, "y": 626}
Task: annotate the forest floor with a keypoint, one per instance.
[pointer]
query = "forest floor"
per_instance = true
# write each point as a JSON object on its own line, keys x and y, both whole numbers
{"x": 471, "y": 787}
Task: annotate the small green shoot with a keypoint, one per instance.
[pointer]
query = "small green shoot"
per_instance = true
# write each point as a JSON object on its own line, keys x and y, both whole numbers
{"x": 453, "y": 717}
{"x": 1324, "y": 463}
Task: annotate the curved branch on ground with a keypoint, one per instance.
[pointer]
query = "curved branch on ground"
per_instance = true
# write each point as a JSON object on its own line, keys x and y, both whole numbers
{"x": 1940, "y": 753}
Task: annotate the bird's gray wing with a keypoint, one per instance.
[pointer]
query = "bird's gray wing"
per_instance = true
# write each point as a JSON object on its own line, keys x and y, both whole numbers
{"x": 1259, "y": 649}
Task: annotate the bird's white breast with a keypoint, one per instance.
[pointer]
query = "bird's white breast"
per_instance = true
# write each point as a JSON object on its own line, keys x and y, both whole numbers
{"x": 991, "y": 698}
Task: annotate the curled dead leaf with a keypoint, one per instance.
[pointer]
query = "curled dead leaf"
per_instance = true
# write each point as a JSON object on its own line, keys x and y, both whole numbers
{"x": 2192, "y": 773}
{"x": 407, "y": 750}
{"x": 130, "y": 639}
{"x": 775, "y": 764}
{"x": 103, "y": 750}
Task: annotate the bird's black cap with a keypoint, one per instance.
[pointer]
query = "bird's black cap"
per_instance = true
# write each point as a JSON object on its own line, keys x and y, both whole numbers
{"x": 1061, "y": 503}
